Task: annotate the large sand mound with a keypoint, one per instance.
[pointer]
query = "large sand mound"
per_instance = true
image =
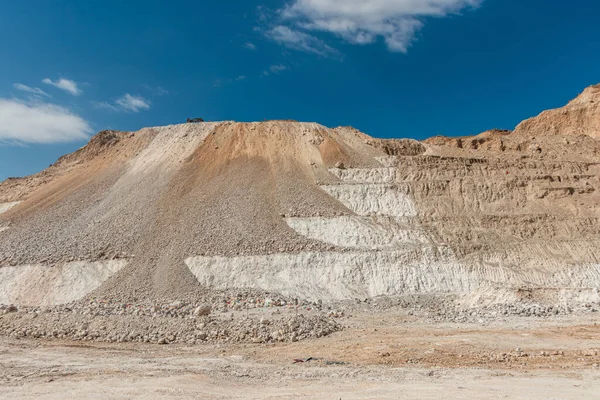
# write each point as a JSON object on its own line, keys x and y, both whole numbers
{"x": 310, "y": 212}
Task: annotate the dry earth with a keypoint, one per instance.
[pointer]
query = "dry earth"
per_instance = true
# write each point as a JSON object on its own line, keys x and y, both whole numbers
{"x": 377, "y": 357}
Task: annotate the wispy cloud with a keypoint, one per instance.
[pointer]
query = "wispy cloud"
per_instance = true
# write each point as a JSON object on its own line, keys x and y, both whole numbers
{"x": 133, "y": 103}
{"x": 274, "y": 69}
{"x": 31, "y": 90}
{"x": 250, "y": 46}
{"x": 40, "y": 122}
{"x": 156, "y": 90}
{"x": 64, "y": 84}
{"x": 360, "y": 21}
{"x": 105, "y": 105}
{"x": 126, "y": 103}
{"x": 297, "y": 40}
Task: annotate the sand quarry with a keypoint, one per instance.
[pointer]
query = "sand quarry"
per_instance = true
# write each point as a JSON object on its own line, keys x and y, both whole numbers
{"x": 290, "y": 260}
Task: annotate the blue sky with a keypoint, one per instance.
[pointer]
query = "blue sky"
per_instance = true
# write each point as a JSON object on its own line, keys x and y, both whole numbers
{"x": 391, "y": 68}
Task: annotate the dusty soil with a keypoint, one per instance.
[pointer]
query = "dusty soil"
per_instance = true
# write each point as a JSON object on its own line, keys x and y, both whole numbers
{"x": 385, "y": 356}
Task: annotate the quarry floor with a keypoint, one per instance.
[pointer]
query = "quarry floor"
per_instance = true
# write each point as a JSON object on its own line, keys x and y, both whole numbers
{"x": 378, "y": 356}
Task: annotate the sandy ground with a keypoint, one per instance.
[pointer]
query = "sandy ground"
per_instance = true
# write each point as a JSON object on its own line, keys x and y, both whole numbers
{"x": 515, "y": 358}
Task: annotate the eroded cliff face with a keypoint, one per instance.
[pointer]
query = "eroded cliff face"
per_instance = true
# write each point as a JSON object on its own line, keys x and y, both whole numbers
{"x": 309, "y": 212}
{"x": 580, "y": 117}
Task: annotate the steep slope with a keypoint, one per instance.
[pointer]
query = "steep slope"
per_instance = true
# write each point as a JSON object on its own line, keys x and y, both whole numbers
{"x": 182, "y": 211}
{"x": 580, "y": 117}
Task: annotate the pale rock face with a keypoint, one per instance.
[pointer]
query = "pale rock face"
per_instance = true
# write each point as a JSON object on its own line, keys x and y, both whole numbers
{"x": 359, "y": 232}
{"x": 339, "y": 276}
{"x": 379, "y": 199}
{"x": 4, "y": 207}
{"x": 331, "y": 276}
{"x": 44, "y": 285}
{"x": 374, "y": 175}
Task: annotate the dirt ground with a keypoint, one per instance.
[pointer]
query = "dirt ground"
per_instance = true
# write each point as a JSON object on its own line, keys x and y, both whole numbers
{"x": 395, "y": 358}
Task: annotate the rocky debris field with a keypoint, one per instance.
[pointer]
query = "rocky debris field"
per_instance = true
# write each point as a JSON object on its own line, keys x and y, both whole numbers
{"x": 479, "y": 314}
{"x": 234, "y": 319}
{"x": 382, "y": 351}
{"x": 449, "y": 308}
{"x": 251, "y": 317}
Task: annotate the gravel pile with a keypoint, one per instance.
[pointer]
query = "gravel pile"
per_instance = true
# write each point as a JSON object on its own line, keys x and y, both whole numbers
{"x": 515, "y": 309}
{"x": 177, "y": 322}
{"x": 452, "y": 312}
{"x": 447, "y": 308}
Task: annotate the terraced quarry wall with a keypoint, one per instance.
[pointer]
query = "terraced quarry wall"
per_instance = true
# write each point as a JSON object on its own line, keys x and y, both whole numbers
{"x": 418, "y": 235}
{"x": 307, "y": 211}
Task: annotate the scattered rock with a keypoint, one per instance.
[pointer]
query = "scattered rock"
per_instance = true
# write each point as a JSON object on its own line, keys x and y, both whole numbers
{"x": 202, "y": 311}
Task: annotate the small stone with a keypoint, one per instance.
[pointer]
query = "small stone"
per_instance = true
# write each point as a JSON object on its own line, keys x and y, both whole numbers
{"x": 177, "y": 304}
{"x": 202, "y": 311}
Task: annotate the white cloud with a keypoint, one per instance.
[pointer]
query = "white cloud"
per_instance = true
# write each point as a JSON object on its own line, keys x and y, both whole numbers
{"x": 64, "y": 84}
{"x": 274, "y": 69}
{"x": 250, "y": 46}
{"x": 240, "y": 78}
{"x": 363, "y": 21}
{"x": 32, "y": 90}
{"x": 40, "y": 122}
{"x": 297, "y": 40}
{"x": 125, "y": 103}
{"x": 133, "y": 103}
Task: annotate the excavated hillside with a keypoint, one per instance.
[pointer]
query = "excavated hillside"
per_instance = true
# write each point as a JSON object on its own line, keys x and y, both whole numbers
{"x": 580, "y": 117}
{"x": 312, "y": 213}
